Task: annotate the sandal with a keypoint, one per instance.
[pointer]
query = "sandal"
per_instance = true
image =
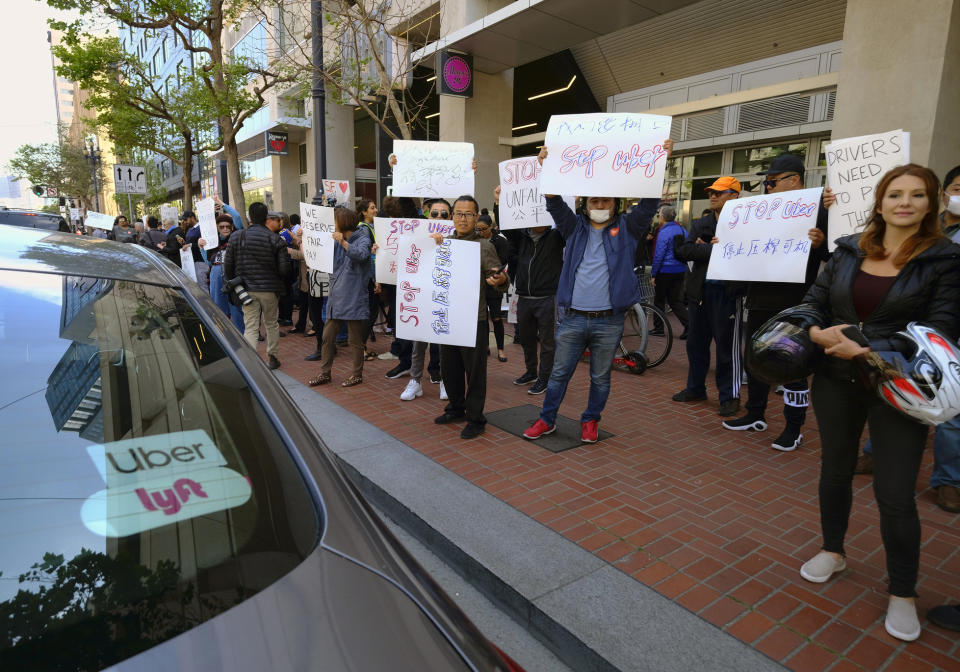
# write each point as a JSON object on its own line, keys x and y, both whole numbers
{"x": 321, "y": 379}
{"x": 312, "y": 332}
{"x": 371, "y": 355}
{"x": 351, "y": 381}
{"x": 502, "y": 358}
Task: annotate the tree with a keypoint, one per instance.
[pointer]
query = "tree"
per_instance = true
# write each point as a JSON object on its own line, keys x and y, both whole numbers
{"x": 233, "y": 88}
{"x": 61, "y": 165}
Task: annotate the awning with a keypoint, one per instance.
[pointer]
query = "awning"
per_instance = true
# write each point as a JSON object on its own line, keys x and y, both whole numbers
{"x": 527, "y": 30}
{"x": 250, "y": 139}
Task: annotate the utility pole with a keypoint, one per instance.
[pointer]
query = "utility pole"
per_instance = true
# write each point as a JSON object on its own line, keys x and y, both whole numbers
{"x": 319, "y": 95}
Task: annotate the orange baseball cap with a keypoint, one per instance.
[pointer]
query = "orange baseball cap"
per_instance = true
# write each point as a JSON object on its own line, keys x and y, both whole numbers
{"x": 725, "y": 183}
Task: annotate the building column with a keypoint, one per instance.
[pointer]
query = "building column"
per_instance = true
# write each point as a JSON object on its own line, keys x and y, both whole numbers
{"x": 340, "y": 156}
{"x": 901, "y": 69}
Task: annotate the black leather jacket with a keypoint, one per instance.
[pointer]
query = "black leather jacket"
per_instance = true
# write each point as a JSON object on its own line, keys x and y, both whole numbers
{"x": 927, "y": 290}
{"x": 705, "y": 229}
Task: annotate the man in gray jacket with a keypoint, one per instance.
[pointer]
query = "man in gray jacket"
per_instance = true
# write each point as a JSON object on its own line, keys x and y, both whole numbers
{"x": 259, "y": 256}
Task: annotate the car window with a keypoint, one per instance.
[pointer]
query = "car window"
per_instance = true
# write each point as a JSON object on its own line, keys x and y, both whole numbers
{"x": 144, "y": 490}
{"x": 30, "y": 219}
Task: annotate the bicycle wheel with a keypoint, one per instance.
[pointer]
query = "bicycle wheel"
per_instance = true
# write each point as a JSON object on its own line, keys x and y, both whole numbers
{"x": 658, "y": 331}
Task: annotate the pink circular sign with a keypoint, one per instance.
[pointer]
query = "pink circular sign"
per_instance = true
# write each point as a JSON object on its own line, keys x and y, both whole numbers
{"x": 456, "y": 74}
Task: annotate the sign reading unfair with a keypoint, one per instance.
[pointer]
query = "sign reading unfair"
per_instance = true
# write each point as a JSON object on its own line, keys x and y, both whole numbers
{"x": 432, "y": 169}
{"x": 521, "y": 203}
{"x": 854, "y": 166}
{"x": 601, "y": 154}
{"x": 438, "y": 288}
{"x": 389, "y": 230}
{"x": 764, "y": 238}
{"x": 317, "y": 243}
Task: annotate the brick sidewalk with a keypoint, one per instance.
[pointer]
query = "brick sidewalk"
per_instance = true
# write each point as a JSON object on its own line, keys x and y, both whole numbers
{"x": 715, "y": 520}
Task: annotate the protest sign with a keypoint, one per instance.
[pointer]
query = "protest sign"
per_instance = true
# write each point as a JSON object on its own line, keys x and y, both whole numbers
{"x": 764, "y": 238}
{"x": 207, "y": 221}
{"x": 388, "y": 231}
{"x": 521, "y": 203}
{"x": 169, "y": 212}
{"x": 186, "y": 263}
{"x": 74, "y": 214}
{"x": 317, "y": 242}
{"x": 438, "y": 289}
{"x": 605, "y": 154}
{"x": 432, "y": 169}
{"x": 854, "y": 166}
{"x": 99, "y": 220}
{"x": 338, "y": 189}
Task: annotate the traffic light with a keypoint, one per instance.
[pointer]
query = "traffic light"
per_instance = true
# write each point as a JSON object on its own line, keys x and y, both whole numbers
{"x": 38, "y": 189}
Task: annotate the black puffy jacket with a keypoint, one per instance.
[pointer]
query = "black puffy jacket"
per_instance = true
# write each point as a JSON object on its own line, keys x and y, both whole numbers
{"x": 259, "y": 256}
{"x": 927, "y": 290}
{"x": 535, "y": 265}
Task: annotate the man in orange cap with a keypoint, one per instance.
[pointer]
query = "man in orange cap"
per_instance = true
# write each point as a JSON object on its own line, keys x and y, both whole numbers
{"x": 712, "y": 310}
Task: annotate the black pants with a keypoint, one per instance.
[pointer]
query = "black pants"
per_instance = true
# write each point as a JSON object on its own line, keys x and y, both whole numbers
{"x": 303, "y": 307}
{"x": 795, "y": 399}
{"x": 494, "y": 302}
{"x": 315, "y": 306}
{"x": 389, "y": 295}
{"x": 374, "y": 300}
{"x": 464, "y": 372}
{"x": 537, "y": 322}
{"x": 669, "y": 288}
{"x": 842, "y": 408}
{"x": 714, "y": 319}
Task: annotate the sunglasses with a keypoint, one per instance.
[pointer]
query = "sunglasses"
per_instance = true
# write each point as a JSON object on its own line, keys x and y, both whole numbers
{"x": 772, "y": 181}
{"x": 440, "y": 214}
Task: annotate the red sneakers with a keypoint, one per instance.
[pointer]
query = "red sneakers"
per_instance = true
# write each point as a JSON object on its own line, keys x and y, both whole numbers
{"x": 588, "y": 431}
{"x": 540, "y": 428}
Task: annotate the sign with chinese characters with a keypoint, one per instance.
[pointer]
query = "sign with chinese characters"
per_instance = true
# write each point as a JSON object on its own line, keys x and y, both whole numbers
{"x": 438, "y": 289}
{"x": 99, "y": 220}
{"x": 764, "y": 238}
{"x": 606, "y": 154}
{"x": 317, "y": 242}
{"x": 854, "y": 166}
{"x": 388, "y": 231}
{"x": 338, "y": 190}
{"x": 521, "y": 203}
{"x": 432, "y": 169}
{"x": 455, "y": 70}
{"x": 207, "y": 221}
{"x": 276, "y": 144}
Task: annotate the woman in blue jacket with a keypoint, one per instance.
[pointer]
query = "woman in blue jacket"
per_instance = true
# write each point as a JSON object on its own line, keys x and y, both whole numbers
{"x": 667, "y": 271}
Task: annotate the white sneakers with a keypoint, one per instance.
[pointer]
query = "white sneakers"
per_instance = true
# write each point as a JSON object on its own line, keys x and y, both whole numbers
{"x": 443, "y": 393}
{"x": 412, "y": 391}
{"x": 821, "y": 567}
{"x": 902, "y": 621}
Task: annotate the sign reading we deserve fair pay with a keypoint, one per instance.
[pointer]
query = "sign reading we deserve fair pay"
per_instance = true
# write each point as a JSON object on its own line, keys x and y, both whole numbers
{"x": 764, "y": 238}
{"x": 606, "y": 154}
{"x": 317, "y": 243}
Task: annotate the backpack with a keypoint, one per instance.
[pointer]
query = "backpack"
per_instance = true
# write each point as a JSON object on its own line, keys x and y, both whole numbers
{"x": 151, "y": 238}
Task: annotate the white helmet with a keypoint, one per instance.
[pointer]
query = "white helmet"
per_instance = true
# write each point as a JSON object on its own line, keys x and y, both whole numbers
{"x": 920, "y": 375}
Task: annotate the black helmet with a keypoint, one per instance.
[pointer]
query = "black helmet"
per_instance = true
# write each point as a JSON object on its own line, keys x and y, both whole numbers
{"x": 781, "y": 350}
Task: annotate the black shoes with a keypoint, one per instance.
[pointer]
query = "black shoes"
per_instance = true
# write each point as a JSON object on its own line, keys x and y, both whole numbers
{"x": 729, "y": 407}
{"x": 273, "y": 362}
{"x": 526, "y": 379}
{"x": 397, "y": 371}
{"x": 946, "y": 616}
{"x": 746, "y": 423}
{"x": 435, "y": 378}
{"x": 539, "y": 387}
{"x": 447, "y": 418}
{"x": 687, "y": 395}
{"x": 472, "y": 430}
{"x": 788, "y": 441}
{"x": 315, "y": 357}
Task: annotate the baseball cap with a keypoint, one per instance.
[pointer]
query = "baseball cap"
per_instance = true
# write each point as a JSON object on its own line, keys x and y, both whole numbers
{"x": 273, "y": 214}
{"x": 187, "y": 214}
{"x": 724, "y": 184}
{"x": 785, "y": 163}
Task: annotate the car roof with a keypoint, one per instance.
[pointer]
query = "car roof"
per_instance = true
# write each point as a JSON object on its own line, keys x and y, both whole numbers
{"x": 27, "y": 249}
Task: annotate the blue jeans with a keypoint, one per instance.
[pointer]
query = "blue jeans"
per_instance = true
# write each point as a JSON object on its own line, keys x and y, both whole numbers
{"x": 575, "y": 334}
{"x": 946, "y": 454}
{"x": 222, "y": 300}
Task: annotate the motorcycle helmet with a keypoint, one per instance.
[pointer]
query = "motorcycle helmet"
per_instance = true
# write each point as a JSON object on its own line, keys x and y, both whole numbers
{"x": 920, "y": 375}
{"x": 781, "y": 350}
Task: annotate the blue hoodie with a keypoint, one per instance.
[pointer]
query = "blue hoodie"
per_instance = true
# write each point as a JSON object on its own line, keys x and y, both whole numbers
{"x": 663, "y": 259}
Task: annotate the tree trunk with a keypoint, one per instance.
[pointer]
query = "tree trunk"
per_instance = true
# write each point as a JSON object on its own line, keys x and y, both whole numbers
{"x": 187, "y": 173}
{"x": 234, "y": 179}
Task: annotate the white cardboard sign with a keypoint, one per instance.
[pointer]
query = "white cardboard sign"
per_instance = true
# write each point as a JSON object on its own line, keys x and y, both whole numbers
{"x": 339, "y": 189}
{"x": 98, "y": 220}
{"x": 207, "y": 221}
{"x": 186, "y": 263}
{"x": 606, "y": 154}
{"x": 388, "y": 231}
{"x": 854, "y": 166}
{"x": 432, "y": 169}
{"x": 438, "y": 290}
{"x": 169, "y": 212}
{"x": 317, "y": 243}
{"x": 521, "y": 203}
{"x": 764, "y": 238}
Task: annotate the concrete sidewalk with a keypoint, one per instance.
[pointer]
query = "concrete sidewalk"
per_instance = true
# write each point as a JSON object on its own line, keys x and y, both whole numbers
{"x": 592, "y": 615}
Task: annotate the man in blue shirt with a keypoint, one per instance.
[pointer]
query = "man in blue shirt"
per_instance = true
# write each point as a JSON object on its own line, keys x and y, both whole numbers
{"x": 597, "y": 287}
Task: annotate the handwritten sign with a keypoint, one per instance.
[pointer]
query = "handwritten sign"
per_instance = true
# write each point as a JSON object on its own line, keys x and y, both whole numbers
{"x": 186, "y": 263}
{"x": 438, "y": 288}
{"x": 339, "y": 190}
{"x": 432, "y": 169}
{"x": 606, "y": 154}
{"x": 99, "y": 220}
{"x": 207, "y": 221}
{"x": 854, "y": 166}
{"x": 764, "y": 238}
{"x": 169, "y": 212}
{"x": 388, "y": 231}
{"x": 521, "y": 203}
{"x": 317, "y": 243}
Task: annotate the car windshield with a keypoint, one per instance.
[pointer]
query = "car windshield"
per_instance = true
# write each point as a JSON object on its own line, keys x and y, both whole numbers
{"x": 143, "y": 489}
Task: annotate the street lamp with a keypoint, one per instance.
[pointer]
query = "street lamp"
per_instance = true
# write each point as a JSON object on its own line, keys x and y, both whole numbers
{"x": 319, "y": 95}
{"x": 92, "y": 155}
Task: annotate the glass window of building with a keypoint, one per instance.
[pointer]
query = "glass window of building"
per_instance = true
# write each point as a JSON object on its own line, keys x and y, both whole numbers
{"x": 256, "y": 166}
{"x": 253, "y": 46}
{"x": 302, "y": 153}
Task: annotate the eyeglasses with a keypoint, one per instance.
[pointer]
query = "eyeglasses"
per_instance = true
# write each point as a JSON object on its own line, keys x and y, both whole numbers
{"x": 439, "y": 214}
{"x": 772, "y": 181}
{"x": 721, "y": 193}
{"x": 464, "y": 215}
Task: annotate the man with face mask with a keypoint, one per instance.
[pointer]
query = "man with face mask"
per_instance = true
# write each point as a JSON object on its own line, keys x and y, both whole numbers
{"x": 597, "y": 286}
{"x": 950, "y": 217}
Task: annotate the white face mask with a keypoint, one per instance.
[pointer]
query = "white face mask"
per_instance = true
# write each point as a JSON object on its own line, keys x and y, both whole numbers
{"x": 953, "y": 205}
{"x": 599, "y": 216}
